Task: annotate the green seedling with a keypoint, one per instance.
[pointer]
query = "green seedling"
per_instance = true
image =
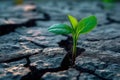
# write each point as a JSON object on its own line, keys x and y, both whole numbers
{"x": 77, "y": 28}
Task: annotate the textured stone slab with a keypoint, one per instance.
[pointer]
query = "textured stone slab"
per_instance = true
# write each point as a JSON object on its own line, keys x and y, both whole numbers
{"x": 18, "y": 55}
{"x": 70, "y": 74}
{"x": 102, "y": 45}
{"x": 107, "y": 32}
{"x": 50, "y": 58}
{"x": 102, "y": 69}
{"x": 40, "y": 36}
{"x": 12, "y": 72}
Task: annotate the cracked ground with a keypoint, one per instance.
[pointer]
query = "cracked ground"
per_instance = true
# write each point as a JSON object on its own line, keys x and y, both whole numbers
{"x": 29, "y": 52}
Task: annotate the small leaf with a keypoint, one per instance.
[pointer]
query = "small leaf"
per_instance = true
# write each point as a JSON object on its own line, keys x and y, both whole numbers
{"x": 60, "y": 29}
{"x": 73, "y": 21}
{"x": 87, "y": 24}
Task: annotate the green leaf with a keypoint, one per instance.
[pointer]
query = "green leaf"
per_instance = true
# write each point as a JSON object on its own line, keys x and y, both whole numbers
{"x": 73, "y": 21}
{"x": 60, "y": 29}
{"x": 87, "y": 24}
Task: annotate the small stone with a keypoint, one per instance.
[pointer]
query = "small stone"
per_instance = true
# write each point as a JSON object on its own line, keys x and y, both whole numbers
{"x": 87, "y": 76}
{"x": 105, "y": 73}
{"x": 61, "y": 75}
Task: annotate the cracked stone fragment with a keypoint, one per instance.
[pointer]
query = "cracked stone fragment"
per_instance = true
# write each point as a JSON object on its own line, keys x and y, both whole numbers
{"x": 39, "y": 36}
{"x": 89, "y": 63}
{"x": 69, "y": 74}
{"x": 87, "y": 76}
{"x": 112, "y": 45}
{"x": 105, "y": 73}
{"x": 18, "y": 55}
{"x": 11, "y": 43}
{"x": 105, "y": 70}
{"x": 85, "y": 7}
{"x": 106, "y": 32}
{"x": 3, "y": 22}
{"x": 114, "y": 16}
{"x": 44, "y": 24}
{"x": 13, "y": 72}
{"x": 102, "y": 44}
{"x": 49, "y": 58}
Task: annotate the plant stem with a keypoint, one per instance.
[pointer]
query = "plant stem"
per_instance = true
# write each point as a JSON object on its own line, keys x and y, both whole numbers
{"x": 74, "y": 49}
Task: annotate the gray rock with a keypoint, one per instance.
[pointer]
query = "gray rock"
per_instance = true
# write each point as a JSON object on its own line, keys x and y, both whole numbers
{"x": 40, "y": 36}
{"x": 105, "y": 73}
{"x": 107, "y": 32}
{"x": 13, "y": 72}
{"x": 70, "y": 74}
{"x": 50, "y": 58}
{"x": 18, "y": 55}
{"x": 44, "y": 60}
{"x": 87, "y": 76}
{"x": 89, "y": 63}
{"x": 102, "y": 45}
{"x": 115, "y": 17}
{"x": 11, "y": 44}
{"x": 102, "y": 69}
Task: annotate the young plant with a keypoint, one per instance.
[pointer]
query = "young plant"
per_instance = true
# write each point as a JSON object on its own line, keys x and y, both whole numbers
{"x": 77, "y": 28}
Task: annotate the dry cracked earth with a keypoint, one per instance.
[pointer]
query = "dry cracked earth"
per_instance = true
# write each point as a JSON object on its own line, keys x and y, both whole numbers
{"x": 29, "y": 52}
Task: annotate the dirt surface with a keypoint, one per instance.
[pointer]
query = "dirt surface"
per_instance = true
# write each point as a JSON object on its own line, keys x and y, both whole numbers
{"x": 29, "y": 52}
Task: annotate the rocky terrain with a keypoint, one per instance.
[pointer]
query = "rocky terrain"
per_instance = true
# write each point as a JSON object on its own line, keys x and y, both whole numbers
{"x": 29, "y": 52}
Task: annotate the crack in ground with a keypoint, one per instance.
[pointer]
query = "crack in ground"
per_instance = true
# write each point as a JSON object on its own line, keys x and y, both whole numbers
{"x": 103, "y": 39}
{"x": 110, "y": 20}
{"x": 18, "y": 57}
{"x": 41, "y": 45}
{"x": 32, "y": 41}
{"x": 7, "y": 28}
{"x": 80, "y": 69}
{"x": 77, "y": 77}
{"x": 36, "y": 74}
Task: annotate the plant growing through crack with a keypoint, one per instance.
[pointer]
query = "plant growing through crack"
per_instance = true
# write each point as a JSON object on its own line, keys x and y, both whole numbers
{"x": 77, "y": 28}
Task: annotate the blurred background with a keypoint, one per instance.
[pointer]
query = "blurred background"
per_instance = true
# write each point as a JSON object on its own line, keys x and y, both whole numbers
{"x": 19, "y": 11}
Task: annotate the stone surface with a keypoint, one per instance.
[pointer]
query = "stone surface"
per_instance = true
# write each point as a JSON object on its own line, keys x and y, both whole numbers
{"x": 49, "y": 58}
{"x": 114, "y": 17}
{"x": 13, "y": 70}
{"x": 70, "y": 74}
{"x": 106, "y": 32}
{"x": 31, "y": 40}
{"x": 39, "y": 36}
{"x": 87, "y": 76}
{"x": 102, "y": 69}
